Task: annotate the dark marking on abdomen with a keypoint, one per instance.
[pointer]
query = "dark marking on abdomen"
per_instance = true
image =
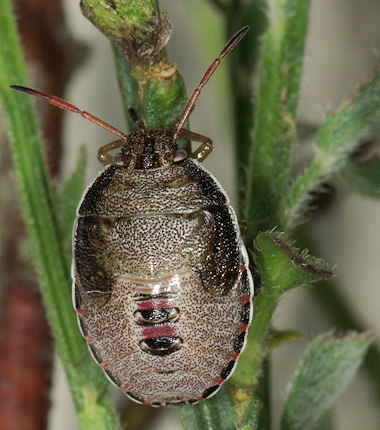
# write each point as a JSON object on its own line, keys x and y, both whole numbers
{"x": 112, "y": 3}
{"x": 244, "y": 283}
{"x": 95, "y": 353}
{"x": 246, "y": 313}
{"x": 228, "y": 369}
{"x": 82, "y": 326}
{"x": 161, "y": 345}
{"x": 146, "y": 317}
{"x": 112, "y": 378}
{"x": 209, "y": 391}
{"x": 239, "y": 342}
{"x": 135, "y": 397}
{"x": 157, "y": 316}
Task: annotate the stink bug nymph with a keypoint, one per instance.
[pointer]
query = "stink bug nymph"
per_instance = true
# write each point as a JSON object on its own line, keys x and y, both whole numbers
{"x": 162, "y": 288}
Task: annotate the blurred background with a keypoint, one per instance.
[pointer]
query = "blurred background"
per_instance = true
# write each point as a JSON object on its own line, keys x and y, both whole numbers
{"x": 342, "y": 49}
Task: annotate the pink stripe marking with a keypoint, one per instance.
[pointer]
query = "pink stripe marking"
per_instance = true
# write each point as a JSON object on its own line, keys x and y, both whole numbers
{"x": 167, "y": 330}
{"x": 245, "y": 299}
{"x": 243, "y": 327}
{"x": 156, "y": 303}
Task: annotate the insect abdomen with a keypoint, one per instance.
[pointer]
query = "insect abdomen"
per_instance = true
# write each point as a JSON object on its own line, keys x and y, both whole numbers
{"x": 169, "y": 319}
{"x": 168, "y": 347}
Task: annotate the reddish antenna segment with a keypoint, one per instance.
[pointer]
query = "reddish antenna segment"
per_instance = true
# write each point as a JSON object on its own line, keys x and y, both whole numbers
{"x": 235, "y": 39}
{"x": 63, "y": 104}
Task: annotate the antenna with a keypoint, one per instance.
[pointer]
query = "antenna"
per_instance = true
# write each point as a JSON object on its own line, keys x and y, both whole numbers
{"x": 235, "y": 39}
{"x": 63, "y": 104}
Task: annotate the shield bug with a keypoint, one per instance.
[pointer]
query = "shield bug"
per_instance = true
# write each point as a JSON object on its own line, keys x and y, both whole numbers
{"x": 162, "y": 288}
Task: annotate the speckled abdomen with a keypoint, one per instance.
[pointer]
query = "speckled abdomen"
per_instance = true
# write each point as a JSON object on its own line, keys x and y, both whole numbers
{"x": 163, "y": 297}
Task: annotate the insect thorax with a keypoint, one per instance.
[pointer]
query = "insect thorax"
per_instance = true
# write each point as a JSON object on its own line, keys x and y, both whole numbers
{"x": 149, "y": 148}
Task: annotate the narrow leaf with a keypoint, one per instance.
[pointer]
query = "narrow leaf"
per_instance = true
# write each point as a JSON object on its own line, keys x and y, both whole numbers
{"x": 276, "y": 338}
{"x": 325, "y": 370}
{"x": 283, "y": 267}
{"x": 338, "y": 136}
{"x": 363, "y": 178}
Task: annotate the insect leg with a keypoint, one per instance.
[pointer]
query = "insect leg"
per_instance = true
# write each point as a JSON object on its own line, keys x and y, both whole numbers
{"x": 204, "y": 149}
{"x": 104, "y": 156}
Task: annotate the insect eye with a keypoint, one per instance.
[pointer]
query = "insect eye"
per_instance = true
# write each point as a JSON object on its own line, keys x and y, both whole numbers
{"x": 179, "y": 155}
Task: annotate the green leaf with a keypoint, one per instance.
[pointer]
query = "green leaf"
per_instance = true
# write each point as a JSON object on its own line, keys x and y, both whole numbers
{"x": 283, "y": 267}
{"x": 276, "y": 338}
{"x": 339, "y": 134}
{"x": 343, "y": 317}
{"x": 324, "y": 371}
{"x": 363, "y": 178}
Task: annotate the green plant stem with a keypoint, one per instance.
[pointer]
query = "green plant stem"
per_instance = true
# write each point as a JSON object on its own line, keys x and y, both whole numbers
{"x": 93, "y": 406}
{"x": 241, "y": 64}
{"x": 256, "y": 349}
{"x": 281, "y": 269}
{"x": 147, "y": 82}
{"x": 275, "y": 131}
{"x": 129, "y": 90}
{"x": 131, "y": 24}
{"x": 160, "y": 102}
{"x": 241, "y": 72}
{"x": 216, "y": 413}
